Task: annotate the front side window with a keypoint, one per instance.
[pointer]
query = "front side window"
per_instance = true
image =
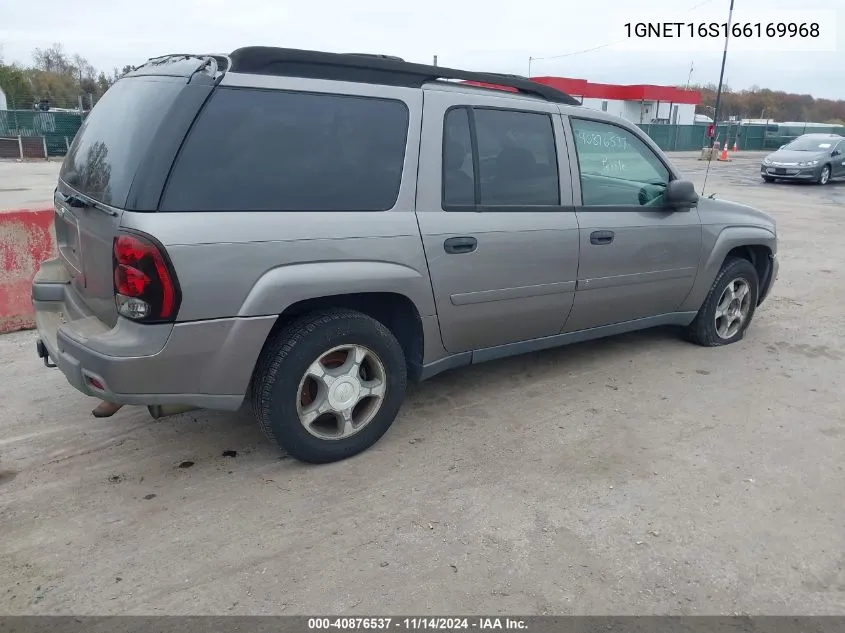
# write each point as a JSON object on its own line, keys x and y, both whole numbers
{"x": 266, "y": 150}
{"x": 515, "y": 162}
{"x": 617, "y": 168}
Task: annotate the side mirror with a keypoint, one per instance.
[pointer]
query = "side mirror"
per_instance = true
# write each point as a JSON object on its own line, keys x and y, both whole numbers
{"x": 680, "y": 194}
{"x": 835, "y": 152}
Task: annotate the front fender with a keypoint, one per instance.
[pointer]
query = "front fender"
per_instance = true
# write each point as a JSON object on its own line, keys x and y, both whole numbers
{"x": 283, "y": 286}
{"x": 717, "y": 244}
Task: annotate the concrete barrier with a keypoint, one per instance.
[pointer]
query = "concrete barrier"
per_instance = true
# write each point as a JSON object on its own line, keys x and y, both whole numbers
{"x": 26, "y": 239}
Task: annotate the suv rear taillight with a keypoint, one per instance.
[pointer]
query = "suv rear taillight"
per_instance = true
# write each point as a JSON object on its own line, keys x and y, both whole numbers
{"x": 145, "y": 287}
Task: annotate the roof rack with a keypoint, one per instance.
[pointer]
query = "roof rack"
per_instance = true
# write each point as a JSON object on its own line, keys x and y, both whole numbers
{"x": 375, "y": 69}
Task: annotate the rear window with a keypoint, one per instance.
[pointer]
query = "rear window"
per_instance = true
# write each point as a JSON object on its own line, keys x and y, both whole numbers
{"x": 263, "y": 150}
{"x": 113, "y": 139}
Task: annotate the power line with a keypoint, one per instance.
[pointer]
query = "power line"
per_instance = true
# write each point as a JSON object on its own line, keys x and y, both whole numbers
{"x": 596, "y": 48}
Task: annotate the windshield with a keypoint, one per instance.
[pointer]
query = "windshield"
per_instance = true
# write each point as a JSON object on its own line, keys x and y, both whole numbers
{"x": 811, "y": 144}
{"x": 109, "y": 146}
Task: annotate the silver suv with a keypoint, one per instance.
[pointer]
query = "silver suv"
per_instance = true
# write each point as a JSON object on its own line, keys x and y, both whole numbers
{"x": 302, "y": 233}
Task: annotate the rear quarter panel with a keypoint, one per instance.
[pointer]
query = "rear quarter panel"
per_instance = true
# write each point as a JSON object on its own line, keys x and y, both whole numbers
{"x": 268, "y": 261}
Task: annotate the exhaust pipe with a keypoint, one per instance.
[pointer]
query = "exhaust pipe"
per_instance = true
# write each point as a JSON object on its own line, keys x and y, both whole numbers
{"x": 163, "y": 410}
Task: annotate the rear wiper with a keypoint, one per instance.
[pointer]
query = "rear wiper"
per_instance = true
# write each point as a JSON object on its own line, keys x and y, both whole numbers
{"x": 72, "y": 200}
{"x": 78, "y": 201}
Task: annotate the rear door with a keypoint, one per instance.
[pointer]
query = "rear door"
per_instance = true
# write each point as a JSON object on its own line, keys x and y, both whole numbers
{"x": 99, "y": 173}
{"x": 638, "y": 258}
{"x": 496, "y": 218}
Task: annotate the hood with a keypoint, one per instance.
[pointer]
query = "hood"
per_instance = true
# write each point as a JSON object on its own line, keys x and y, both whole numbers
{"x": 733, "y": 213}
{"x": 787, "y": 157}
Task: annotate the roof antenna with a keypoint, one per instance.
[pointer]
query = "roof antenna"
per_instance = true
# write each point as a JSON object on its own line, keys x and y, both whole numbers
{"x": 719, "y": 94}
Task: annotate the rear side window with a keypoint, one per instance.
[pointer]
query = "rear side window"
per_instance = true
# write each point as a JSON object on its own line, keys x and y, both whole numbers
{"x": 109, "y": 146}
{"x": 262, "y": 150}
{"x": 499, "y": 158}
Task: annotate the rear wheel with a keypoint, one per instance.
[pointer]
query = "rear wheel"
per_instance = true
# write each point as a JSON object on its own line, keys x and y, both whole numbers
{"x": 824, "y": 175}
{"x": 729, "y": 307}
{"x": 329, "y": 385}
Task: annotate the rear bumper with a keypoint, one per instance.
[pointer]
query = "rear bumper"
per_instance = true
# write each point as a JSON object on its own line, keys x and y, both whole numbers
{"x": 204, "y": 364}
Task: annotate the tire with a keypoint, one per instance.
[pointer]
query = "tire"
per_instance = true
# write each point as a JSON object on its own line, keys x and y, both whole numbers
{"x": 703, "y": 330}
{"x": 281, "y": 384}
{"x": 768, "y": 179}
{"x": 824, "y": 175}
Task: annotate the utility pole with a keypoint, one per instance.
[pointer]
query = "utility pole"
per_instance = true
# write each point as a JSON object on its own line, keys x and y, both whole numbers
{"x": 724, "y": 59}
{"x": 434, "y": 63}
{"x": 689, "y": 77}
{"x": 530, "y": 59}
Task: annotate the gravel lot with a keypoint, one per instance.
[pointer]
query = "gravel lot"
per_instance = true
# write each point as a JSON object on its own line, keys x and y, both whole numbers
{"x": 28, "y": 185}
{"x": 634, "y": 475}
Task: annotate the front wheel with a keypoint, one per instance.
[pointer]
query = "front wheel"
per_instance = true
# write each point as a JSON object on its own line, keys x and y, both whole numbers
{"x": 824, "y": 175}
{"x": 329, "y": 385}
{"x": 729, "y": 307}
{"x": 768, "y": 179}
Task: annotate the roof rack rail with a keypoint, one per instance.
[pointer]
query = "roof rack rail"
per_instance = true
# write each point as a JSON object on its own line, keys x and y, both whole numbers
{"x": 375, "y": 69}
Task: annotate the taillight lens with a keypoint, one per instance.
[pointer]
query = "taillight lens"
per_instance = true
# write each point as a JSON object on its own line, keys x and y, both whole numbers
{"x": 145, "y": 287}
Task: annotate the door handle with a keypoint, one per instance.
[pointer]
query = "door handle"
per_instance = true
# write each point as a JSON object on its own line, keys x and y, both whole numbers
{"x": 457, "y": 245}
{"x": 600, "y": 238}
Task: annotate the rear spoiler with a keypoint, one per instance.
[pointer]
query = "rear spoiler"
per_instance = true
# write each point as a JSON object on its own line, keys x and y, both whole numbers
{"x": 182, "y": 65}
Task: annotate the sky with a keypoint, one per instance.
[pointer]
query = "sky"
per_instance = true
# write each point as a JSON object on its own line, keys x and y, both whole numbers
{"x": 492, "y": 35}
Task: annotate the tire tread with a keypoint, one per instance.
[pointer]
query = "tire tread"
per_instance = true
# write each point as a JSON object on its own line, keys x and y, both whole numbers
{"x": 701, "y": 331}
{"x": 279, "y": 347}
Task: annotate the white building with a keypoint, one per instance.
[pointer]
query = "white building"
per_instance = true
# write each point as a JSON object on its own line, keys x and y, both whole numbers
{"x": 3, "y": 104}
{"x": 637, "y": 103}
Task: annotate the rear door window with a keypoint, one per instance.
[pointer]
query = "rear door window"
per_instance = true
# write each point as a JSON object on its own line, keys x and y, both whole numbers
{"x": 265, "y": 150}
{"x": 108, "y": 148}
{"x": 516, "y": 159}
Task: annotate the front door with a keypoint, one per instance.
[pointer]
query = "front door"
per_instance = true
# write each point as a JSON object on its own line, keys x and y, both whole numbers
{"x": 638, "y": 258}
{"x": 496, "y": 218}
{"x": 838, "y": 161}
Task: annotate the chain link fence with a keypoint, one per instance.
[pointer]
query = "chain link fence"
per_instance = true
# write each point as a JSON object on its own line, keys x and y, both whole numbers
{"x": 747, "y": 137}
{"x": 36, "y": 133}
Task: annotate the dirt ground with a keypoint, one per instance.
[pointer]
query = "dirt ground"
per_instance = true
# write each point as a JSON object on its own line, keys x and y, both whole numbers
{"x": 29, "y": 184}
{"x": 634, "y": 475}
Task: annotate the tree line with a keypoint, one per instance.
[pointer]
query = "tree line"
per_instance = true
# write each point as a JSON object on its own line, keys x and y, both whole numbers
{"x": 60, "y": 79}
{"x": 762, "y": 103}
{"x": 56, "y": 79}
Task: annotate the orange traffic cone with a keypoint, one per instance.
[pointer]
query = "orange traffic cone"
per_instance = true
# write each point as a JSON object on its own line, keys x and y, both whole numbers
{"x": 735, "y": 141}
{"x": 724, "y": 155}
